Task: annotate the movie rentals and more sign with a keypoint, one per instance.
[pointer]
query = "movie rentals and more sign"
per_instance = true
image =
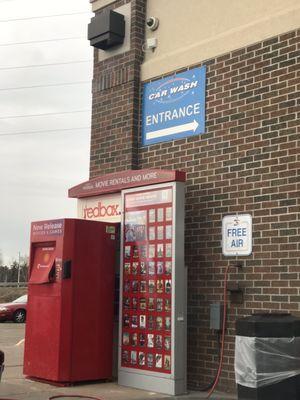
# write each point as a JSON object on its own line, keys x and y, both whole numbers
{"x": 105, "y": 208}
{"x": 117, "y": 181}
{"x": 237, "y": 235}
{"x": 174, "y": 107}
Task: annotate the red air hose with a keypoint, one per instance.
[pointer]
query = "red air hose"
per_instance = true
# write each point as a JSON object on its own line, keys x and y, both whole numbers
{"x": 223, "y": 334}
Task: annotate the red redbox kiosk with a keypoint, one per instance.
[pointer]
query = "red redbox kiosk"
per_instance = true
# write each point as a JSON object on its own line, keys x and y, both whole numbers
{"x": 70, "y": 301}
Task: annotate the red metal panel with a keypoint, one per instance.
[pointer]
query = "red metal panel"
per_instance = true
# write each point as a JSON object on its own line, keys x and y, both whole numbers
{"x": 70, "y": 321}
{"x": 118, "y": 181}
{"x": 92, "y": 322}
{"x": 43, "y": 326}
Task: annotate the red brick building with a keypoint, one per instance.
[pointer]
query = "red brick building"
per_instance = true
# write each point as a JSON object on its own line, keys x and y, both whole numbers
{"x": 247, "y": 161}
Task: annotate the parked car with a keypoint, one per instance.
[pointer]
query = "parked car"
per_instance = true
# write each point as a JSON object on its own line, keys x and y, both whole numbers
{"x": 14, "y": 311}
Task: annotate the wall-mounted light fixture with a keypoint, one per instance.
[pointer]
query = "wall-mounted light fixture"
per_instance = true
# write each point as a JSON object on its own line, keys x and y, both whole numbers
{"x": 106, "y": 30}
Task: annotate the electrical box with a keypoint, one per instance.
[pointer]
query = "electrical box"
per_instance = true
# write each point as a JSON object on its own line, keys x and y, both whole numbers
{"x": 151, "y": 43}
{"x": 106, "y": 30}
{"x": 216, "y": 316}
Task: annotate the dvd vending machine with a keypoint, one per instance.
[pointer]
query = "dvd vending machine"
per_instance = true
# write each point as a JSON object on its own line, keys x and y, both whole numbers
{"x": 70, "y": 301}
{"x": 152, "y": 336}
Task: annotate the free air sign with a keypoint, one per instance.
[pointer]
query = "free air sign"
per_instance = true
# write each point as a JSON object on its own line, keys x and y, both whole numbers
{"x": 174, "y": 107}
{"x": 237, "y": 235}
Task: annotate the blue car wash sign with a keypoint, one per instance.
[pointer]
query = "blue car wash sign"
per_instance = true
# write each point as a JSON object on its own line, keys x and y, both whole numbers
{"x": 174, "y": 107}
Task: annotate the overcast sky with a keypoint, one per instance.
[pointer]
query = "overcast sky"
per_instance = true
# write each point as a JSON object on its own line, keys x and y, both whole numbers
{"x": 37, "y": 169}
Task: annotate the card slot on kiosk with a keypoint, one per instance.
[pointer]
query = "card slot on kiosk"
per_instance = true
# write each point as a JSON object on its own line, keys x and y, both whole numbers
{"x": 43, "y": 267}
{"x": 67, "y": 269}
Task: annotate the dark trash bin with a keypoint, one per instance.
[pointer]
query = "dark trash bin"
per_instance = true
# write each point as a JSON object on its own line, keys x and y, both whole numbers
{"x": 267, "y": 357}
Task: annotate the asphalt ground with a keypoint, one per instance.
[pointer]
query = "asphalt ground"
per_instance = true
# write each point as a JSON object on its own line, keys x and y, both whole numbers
{"x": 14, "y": 385}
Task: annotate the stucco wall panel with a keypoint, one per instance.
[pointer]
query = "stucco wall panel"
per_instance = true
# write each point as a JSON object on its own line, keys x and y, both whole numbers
{"x": 195, "y": 30}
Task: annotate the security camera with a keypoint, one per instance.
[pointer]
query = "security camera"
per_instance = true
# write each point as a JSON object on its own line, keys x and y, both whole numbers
{"x": 152, "y": 23}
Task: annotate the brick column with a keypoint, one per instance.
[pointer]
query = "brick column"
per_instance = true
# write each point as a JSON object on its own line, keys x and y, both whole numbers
{"x": 115, "y": 107}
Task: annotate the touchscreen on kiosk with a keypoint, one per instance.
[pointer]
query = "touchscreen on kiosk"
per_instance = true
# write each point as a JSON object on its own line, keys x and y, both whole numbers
{"x": 43, "y": 267}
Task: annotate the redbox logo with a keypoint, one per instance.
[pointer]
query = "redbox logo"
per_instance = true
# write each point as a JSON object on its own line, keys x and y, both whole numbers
{"x": 101, "y": 210}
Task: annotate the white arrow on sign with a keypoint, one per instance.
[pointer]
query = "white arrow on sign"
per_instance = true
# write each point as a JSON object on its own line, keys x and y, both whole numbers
{"x": 192, "y": 126}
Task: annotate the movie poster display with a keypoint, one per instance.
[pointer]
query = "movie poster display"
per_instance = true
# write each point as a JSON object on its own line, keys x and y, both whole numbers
{"x": 152, "y": 331}
{"x": 147, "y": 281}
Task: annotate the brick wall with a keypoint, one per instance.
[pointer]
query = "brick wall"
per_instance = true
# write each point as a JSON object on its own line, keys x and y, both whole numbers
{"x": 248, "y": 161}
{"x": 115, "y": 107}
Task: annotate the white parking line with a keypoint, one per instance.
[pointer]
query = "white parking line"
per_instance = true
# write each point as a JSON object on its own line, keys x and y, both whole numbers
{"x": 20, "y": 342}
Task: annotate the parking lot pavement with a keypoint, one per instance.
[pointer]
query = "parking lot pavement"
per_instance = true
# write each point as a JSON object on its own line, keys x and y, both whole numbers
{"x": 14, "y": 385}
